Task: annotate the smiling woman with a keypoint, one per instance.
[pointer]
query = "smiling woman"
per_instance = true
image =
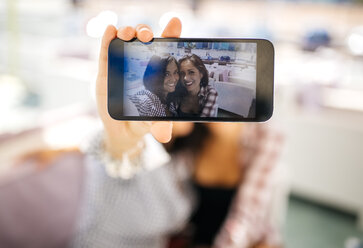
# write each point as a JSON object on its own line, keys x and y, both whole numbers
{"x": 160, "y": 78}
{"x": 197, "y": 97}
{"x": 171, "y": 77}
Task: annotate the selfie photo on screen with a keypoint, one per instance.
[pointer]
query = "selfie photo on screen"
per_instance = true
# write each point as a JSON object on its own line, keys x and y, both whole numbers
{"x": 190, "y": 79}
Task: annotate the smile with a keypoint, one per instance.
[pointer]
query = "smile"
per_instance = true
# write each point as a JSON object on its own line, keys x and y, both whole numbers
{"x": 188, "y": 83}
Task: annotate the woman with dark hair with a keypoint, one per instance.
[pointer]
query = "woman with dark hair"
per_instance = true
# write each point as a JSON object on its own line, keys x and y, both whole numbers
{"x": 160, "y": 78}
{"x": 235, "y": 173}
{"x": 196, "y": 96}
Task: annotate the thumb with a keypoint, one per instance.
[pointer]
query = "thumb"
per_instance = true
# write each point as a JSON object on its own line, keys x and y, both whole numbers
{"x": 173, "y": 29}
{"x": 162, "y": 131}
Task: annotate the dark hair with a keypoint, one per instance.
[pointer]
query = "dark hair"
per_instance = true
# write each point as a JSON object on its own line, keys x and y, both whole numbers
{"x": 155, "y": 73}
{"x": 193, "y": 142}
{"x": 180, "y": 90}
{"x": 198, "y": 63}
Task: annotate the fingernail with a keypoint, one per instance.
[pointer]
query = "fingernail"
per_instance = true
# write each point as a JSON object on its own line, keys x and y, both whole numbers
{"x": 126, "y": 33}
{"x": 145, "y": 35}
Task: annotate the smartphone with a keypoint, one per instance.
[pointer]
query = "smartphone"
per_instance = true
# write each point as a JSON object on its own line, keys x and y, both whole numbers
{"x": 184, "y": 79}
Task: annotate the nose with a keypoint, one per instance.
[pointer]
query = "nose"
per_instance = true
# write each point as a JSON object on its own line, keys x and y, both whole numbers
{"x": 186, "y": 78}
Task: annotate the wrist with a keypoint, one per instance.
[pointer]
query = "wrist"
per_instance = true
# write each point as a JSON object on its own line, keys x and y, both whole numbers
{"x": 120, "y": 160}
{"x": 116, "y": 147}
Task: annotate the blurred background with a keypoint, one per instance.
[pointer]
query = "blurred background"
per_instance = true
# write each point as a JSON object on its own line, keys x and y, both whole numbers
{"x": 48, "y": 65}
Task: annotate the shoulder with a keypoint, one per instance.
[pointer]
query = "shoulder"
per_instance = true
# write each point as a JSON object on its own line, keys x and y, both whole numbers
{"x": 263, "y": 130}
{"x": 148, "y": 104}
{"x": 255, "y": 133}
{"x": 208, "y": 93}
{"x": 144, "y": 96}
{"x": 262, "y": 140}
{"x": 210, "y": 90}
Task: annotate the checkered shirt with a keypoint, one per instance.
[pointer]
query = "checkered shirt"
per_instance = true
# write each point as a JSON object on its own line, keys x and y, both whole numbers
{"x": 208, "y": 101}
{"x": 140, "y": 212}
{"x": 250, "y": 219}
{"x": 149, "y": 104}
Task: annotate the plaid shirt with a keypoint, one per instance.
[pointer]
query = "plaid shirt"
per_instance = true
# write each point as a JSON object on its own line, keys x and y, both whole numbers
{"x": 149, "y": 104}
{"x": 249, "y": 219}
{"x": 208, "y": 101}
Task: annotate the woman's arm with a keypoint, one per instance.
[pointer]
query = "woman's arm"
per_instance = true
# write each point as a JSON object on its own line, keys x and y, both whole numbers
{"x": 210, "y": 103}
{"x": 148, "y": 104}
{"x": 121, "y": 136}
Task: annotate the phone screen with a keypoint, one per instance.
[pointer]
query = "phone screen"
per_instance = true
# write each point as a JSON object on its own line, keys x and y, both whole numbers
{"x": 209, "y": 80}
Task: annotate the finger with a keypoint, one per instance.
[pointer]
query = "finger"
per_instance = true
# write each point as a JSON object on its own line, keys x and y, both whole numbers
{"x": 108, "y": 36}
{"x": 144, "y": 33}
{"x": 173, "y": 29}
{"x": 126, "y": 33}
{"x": 162, "y": 131}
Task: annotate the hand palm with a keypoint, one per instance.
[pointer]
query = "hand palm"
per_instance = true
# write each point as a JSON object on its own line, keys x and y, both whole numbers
{"x": 121, "y": 135}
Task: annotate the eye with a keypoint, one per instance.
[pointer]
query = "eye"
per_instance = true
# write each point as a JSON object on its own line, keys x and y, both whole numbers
{"x": 167, "y": 74}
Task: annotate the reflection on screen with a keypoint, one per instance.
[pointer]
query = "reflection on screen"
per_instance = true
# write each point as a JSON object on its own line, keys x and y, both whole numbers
{"x": 191, "y": 79}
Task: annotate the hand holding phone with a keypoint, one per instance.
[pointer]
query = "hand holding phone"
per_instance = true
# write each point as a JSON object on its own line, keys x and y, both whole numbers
{"x": 121, "y": 136}
{"x": 191, "y": 79}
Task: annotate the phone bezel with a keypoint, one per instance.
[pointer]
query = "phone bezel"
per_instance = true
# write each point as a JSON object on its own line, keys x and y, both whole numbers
{"x": 264, "y": 82}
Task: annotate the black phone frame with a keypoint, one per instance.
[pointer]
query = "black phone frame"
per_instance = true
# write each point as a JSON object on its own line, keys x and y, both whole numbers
{"x": 264, "y": 81}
